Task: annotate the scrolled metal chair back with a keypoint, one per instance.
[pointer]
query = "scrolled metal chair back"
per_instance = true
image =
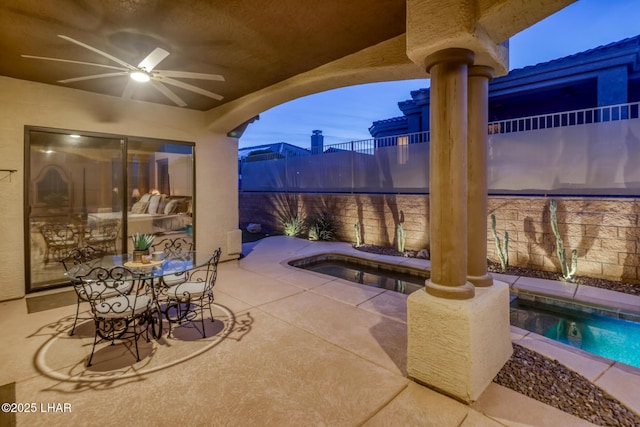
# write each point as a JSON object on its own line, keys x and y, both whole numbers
{"x": 173, "y": 247}
{"x": 213, "y": 267}
{"x": 103, "y": 283}
{"x": 57, "y": 231}
{"x": 77, "y": 256}
{"x": 209, "y": 273}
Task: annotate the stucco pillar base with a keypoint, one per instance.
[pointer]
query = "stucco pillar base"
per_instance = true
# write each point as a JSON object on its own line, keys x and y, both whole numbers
{"x": 481, "y": 281}
{"x": 464, "y": 291}
{"x": 458, "y": 346}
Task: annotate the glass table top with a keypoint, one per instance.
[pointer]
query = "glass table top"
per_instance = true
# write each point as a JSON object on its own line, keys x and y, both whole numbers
{"x": 155, "y": 268}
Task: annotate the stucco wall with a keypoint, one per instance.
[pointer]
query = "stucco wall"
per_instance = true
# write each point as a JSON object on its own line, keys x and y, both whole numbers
{"x": 28, "y": 103}
{"x": 604, "y": 231}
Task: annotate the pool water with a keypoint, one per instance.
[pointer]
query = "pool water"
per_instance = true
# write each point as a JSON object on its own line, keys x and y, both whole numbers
{"x": 609, "y": 337}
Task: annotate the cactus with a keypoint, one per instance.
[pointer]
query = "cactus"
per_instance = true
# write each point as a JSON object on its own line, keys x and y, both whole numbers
{"x": 568, "y": 271}
{"x": 401, "y": 238}
{"x": 502, "y": 248}
{"x": 358, "y": 235}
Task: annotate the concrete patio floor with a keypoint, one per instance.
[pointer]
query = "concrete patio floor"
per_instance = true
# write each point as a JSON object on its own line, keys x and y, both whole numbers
{"x": 287, "y": 348}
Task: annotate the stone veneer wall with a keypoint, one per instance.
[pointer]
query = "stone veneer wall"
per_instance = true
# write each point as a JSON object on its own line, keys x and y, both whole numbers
{"x": 603, "y": 230}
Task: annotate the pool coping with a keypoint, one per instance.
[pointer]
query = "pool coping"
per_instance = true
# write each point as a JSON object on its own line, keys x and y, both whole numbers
{"x": 603, "y": 301}
{"x": 519, "y": 286}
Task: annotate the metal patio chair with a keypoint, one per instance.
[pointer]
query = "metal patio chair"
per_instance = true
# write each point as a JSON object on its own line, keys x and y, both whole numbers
{"x": 73, "y": 259}
{"x": 120, "y": 305}
{"x": 173, "y": 248}
{"x": 196, "y": 292}
{"x": 103, "y": 236}
{"x": 58, "y": 238}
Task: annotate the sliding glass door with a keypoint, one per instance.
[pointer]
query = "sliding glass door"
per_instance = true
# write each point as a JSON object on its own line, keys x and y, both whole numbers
{"x": 160, "y": 189}
{"x": 93, "y": 189}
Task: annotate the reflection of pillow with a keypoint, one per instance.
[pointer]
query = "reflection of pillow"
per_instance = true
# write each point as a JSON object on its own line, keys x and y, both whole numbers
{"x": 171, "y": 207}
{"x": 162, "y": 204}
{"x": 145, "y": 198}
{"x": 139, "y": 207}
{"x": 153, "y": 204}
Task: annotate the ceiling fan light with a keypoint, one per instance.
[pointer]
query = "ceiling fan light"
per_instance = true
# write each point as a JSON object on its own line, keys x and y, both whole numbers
{"x": 139, "y": 76}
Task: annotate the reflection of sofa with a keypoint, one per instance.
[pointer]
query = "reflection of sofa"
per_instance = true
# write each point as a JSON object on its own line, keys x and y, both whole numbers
{"x": 153, "y": 214}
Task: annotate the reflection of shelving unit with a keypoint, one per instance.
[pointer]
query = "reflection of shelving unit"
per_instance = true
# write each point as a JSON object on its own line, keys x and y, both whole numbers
{"x": 9, "y": 173}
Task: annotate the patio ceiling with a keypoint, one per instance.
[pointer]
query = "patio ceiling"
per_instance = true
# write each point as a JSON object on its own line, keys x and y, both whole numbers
{"x": 253, "y": 44}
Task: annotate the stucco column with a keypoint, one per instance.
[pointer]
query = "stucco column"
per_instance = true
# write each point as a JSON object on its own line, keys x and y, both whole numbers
{"x": 477, "y": 205}
{"x": 448, "y": 174}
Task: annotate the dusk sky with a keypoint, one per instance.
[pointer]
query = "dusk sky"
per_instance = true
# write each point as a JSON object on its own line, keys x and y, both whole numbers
{"x": 346, "y": 114}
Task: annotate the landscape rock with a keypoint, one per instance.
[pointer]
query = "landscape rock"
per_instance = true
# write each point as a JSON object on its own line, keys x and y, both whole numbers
{"x": 423, "y": 253}
{"x": 254, "y": 228}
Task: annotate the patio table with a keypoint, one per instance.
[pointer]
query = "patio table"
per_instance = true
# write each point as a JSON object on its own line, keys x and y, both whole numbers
{"x": 151, "y": 274}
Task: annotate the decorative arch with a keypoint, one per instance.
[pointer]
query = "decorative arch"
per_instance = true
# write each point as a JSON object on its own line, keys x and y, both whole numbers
{"x": 386, "y": 61}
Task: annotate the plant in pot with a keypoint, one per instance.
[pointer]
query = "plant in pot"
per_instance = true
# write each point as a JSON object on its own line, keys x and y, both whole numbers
{"x": 141, "y": 245}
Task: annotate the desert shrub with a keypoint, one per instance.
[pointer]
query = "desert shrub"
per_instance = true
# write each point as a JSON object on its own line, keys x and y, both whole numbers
{"x": 293, "y": 226}
{"x": 321, "y": 227}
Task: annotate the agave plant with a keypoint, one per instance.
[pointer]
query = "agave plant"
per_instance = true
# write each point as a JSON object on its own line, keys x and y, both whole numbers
{"x": 321, "y": 227}
{"x": 142, "y": 242}
{"x": 293, "y": 226}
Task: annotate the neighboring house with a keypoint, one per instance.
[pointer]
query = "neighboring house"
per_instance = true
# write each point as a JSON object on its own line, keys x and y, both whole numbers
{"x": 277, "y": 149}
{"x": 606, "y": 75}
{"x": 282, "y": 149}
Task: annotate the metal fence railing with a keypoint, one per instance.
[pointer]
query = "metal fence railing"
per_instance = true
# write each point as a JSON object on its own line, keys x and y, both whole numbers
{"x": 369, "y": 146}
{"x": 567, "y": 118}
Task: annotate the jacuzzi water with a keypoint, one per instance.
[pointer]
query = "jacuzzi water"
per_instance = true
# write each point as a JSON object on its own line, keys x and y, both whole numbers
{"x": 366, "y": 275}
{"x": 580, "y": 327}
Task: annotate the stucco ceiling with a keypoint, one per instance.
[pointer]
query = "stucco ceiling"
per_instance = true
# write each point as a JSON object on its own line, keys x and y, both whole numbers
{"x": 252, "y": 43}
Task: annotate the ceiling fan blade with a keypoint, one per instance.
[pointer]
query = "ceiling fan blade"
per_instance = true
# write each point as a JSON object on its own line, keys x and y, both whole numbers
{"x": 128, "y": 89}
{"x": 153, "y": 59}
{"x": 75, "y": 62}
{"x": 189, "y": 75}
{"x": 99, "y": 52}
{"x": 95, "y": 76}
{"x": 169, "y": 94}
{"x": 192, "y": 88}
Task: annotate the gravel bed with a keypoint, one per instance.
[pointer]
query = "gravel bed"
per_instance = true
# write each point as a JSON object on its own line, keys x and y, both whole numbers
{"x": 550, "y": 382}
{"x": 547, "y": 380}
{"x": 612, "y": 285}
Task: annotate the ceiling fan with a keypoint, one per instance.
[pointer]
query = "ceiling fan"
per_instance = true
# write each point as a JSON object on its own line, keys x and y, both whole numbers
{"x": 144, "y": 72}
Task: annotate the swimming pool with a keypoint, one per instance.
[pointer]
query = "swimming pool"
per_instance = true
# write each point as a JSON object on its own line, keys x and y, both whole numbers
{"x": 605, "y": 335}
{"x": 606, "y": 332}
{"x": 393, "y": 277}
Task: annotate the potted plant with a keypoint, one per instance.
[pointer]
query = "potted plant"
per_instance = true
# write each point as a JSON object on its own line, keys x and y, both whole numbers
{"x": 141, "y": 245}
